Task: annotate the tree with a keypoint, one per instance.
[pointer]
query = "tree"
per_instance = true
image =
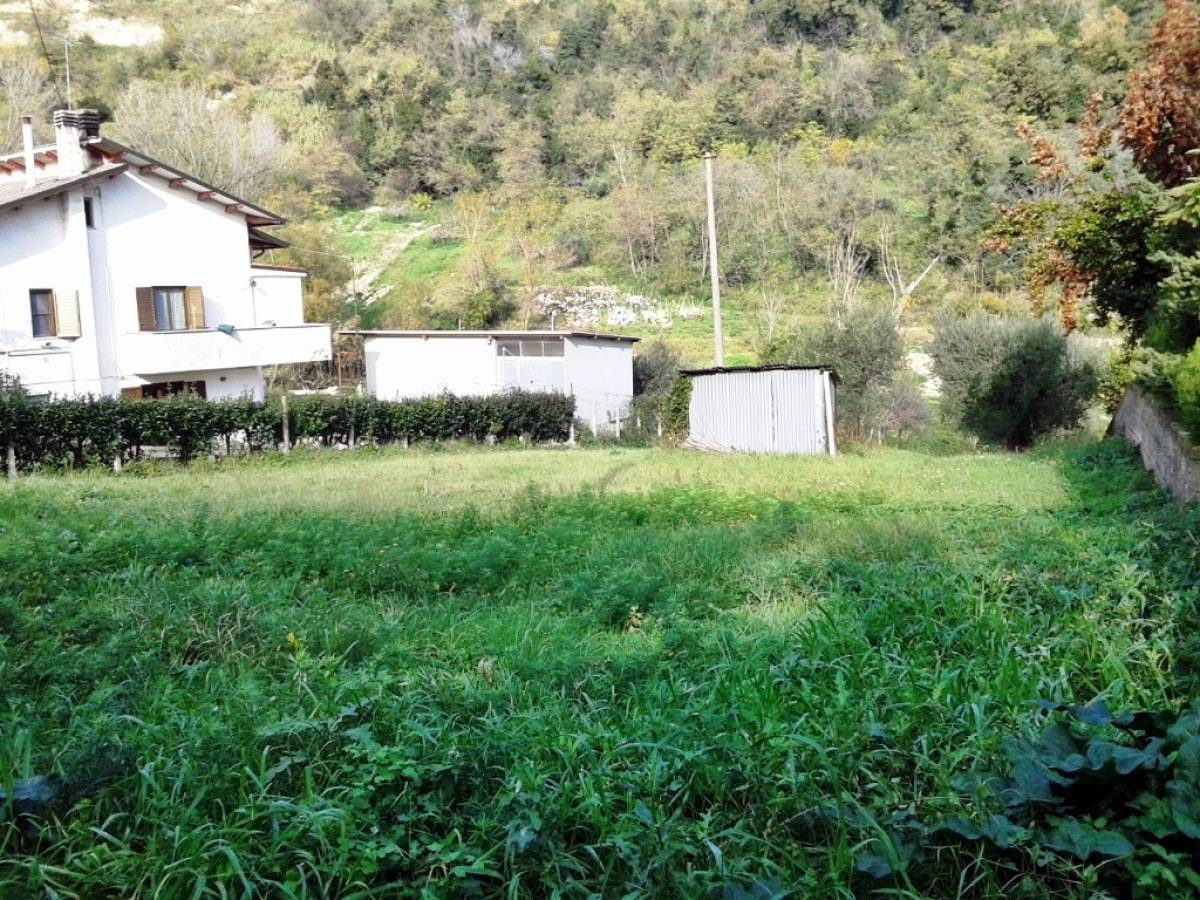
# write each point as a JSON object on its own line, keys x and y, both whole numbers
{"x": 24, "y": 91}
{"x": 475, "y": 296}
{"x": 529, "y": 223}
{"x": 328, "y": 286}
{"x": 845, "y": 266}
{"x": 1088, "y": 228}
{"x": 1010, "y": 381}
{"x": 902, "y": 288}
{"x": 863, "y": 345}
{"x": 1160, "y": 118}
{"x": 180, "y": 125}
{"x": 519, "y": 163}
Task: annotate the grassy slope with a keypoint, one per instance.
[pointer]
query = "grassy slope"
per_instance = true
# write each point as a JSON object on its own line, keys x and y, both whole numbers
{"x": 688, "y": 656}
{"x": 427, "y": 261}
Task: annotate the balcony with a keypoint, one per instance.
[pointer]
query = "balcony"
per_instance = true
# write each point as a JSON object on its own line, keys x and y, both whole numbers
{"x": 161, "y": 352}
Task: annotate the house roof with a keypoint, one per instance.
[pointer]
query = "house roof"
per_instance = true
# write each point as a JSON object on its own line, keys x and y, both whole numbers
{"x": 112, "y": 152}
{"x": 511, "y": 335}
{"x": 19, "y": 193}
{"x": 262, "y": 240}
{"x": 734, "y": 370}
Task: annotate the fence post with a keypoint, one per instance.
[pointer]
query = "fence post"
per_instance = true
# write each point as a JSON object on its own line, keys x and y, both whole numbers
{"x": 618, "y": 423}
{"x": 287, "y": 431}
{"x": 118, "y": 463}
{"x": 595, "y": 426}
{"x": 10, "y": 461}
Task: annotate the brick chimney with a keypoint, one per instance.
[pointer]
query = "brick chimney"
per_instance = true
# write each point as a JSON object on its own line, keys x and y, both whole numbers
{"x": 72, "y": 129}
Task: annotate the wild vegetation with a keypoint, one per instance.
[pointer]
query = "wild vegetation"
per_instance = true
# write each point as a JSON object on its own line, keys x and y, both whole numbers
{"x": 475, "y": 165}
{"x": 557, "y": 145}
{"x": 587, "y": 673}
{"x": 460, "y": 671}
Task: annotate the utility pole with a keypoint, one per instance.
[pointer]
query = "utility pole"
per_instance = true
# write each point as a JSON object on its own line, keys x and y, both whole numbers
{"x": 714, "y": 271}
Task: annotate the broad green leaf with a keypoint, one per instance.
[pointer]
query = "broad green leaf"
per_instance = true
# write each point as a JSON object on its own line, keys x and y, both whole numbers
{"x": 1082, "y": 840}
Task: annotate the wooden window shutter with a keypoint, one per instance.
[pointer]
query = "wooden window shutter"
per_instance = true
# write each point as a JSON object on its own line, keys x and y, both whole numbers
{"x": 145, "y": 308}
{"x": 66, "y": 313}
{"x": 193, "y": 305}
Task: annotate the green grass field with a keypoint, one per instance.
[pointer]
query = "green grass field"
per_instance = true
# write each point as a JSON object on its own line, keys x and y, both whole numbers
{"x": 559, "y": 672}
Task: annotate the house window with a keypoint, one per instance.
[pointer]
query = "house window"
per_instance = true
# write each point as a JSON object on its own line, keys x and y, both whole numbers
{"x": 169, "y": 311}
{"x": 89, "y": 212}
{"x": 41, "y": 308}
{"x": 527, "y": 348}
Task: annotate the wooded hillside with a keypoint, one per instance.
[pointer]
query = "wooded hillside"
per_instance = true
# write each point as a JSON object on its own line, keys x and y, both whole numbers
{"x": 555, "y": 145}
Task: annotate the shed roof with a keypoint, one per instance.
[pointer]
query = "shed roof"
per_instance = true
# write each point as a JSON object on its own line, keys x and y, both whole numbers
{"x": 734, "y": 370}
{"x": 510, "y": 335}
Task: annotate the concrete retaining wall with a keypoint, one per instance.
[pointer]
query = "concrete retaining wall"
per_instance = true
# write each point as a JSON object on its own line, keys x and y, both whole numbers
{"x": 1166, "y": 450}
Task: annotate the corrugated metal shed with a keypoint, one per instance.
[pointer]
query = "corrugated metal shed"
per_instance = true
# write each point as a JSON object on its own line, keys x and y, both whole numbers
{"x": 763, "y": 409}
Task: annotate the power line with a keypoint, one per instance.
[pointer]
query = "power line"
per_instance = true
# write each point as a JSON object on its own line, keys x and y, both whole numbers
{"x": 45, "y": 52}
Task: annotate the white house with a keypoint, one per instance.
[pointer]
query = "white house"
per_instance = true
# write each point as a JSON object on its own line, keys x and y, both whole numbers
{"x": 597, "y": 369}
{"x": 120, "y": 274}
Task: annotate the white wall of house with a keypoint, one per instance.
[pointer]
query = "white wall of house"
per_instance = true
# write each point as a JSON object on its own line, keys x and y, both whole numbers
{"x": 222, "y": 384}
{"x": 145, "y": 234}
{"x": 276, "y": 296}
{"x": 47, "y": 250}
{"x": 598, "y": 372}
{"x": 159, "y": 236}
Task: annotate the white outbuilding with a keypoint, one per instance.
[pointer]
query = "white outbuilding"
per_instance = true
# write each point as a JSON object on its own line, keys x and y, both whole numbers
{"x": 763, "y": 409}
{"x": 596, "y": 369}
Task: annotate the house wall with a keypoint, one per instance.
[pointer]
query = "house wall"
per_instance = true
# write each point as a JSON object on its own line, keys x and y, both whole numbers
{"x": 276, "y": 297}
{"x": 158, "y": 236}
{"x": 221, "y": 384}
{"x": 146, "y": 234}
{"x": 399, "y": 367}
{"x": 600, "y": 375}
{"x": 44, "y": 245}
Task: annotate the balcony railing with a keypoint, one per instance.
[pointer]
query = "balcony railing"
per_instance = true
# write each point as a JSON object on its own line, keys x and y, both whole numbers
{"x": 161, "y": 352}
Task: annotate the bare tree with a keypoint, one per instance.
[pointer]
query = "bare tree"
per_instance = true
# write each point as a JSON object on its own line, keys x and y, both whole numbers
{"x": 902, "y": 288}
{"x": 768, "y": 317}
{"x": 24, "y": 91}
{"x": 205, "y": 138}
{"x": 845, "y": 264}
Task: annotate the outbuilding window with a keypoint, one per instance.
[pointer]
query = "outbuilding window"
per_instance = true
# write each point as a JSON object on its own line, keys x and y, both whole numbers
{"x": 529, "y": 347}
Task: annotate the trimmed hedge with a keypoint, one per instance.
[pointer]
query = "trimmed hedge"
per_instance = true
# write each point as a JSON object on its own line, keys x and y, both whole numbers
{"x": 79, "y": 433}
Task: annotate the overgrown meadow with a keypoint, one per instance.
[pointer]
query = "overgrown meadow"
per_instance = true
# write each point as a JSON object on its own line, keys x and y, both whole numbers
{"x": 561, "y": 673}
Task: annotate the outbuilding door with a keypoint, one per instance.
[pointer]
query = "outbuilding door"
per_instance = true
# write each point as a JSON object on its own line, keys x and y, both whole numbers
{"x": 771, "y": 411}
